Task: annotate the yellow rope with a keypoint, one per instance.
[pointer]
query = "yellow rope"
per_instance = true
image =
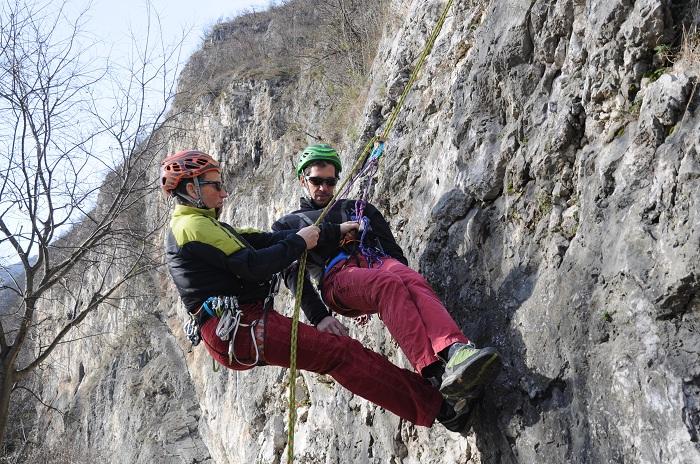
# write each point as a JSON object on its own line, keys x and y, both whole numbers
{"x": 302, "y": 261}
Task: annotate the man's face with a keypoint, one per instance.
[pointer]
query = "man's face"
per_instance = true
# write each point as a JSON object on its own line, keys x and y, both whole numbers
{"x": 317, "y": 183}
{"x": 209, "y": 185}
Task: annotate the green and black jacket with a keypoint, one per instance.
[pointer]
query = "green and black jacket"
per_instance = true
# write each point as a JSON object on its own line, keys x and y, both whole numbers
{"x": 207, "y": 257}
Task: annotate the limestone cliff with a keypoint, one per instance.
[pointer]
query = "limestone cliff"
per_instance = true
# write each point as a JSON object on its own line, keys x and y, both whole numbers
{"x": 544, "y": 175}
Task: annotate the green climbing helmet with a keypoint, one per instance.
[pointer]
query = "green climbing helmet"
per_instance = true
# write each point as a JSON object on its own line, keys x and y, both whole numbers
{"x": 319, "y": 152}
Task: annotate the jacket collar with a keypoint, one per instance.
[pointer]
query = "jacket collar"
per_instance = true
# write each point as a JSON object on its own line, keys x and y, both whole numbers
{"x": 184, "y": 210}
{"x": 308, "y": 203}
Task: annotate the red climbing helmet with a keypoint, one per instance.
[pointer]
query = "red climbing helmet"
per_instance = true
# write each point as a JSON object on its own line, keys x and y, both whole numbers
{"x": 184, "y": 164}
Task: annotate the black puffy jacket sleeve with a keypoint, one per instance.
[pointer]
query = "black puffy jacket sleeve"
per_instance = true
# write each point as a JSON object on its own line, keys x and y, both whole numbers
{"x": 311, "y": 303}
{"x": 268, "y": 254}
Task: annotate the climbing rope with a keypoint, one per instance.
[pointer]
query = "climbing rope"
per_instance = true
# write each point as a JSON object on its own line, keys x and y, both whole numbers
{"x": 349, "y": 180}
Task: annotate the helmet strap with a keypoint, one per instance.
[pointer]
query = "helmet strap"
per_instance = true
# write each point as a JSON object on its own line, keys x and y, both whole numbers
{"x": 196, "y": 202}
{"x": 186, "y": 198}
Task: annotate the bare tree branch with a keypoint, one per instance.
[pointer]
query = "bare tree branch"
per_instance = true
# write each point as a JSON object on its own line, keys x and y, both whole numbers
{"x": 81, "y": 238}
{"x": 39, "y": 399}
{"x": 96, "y": 300}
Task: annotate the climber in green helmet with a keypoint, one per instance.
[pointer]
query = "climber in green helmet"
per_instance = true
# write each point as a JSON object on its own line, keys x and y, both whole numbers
{"x": 360, "y": 278}
{"x": 318, "y": 152}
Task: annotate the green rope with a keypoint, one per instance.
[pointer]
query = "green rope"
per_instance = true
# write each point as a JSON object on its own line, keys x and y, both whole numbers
{"x": 302, "y": 261}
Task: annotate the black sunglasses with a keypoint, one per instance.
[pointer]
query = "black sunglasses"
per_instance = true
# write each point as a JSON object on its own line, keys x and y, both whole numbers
{"x": 218, "y": 185}
{"x": 318, "y": 181}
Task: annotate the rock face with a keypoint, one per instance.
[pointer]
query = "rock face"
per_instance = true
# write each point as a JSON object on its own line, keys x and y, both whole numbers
{"x": 544, "y": 179}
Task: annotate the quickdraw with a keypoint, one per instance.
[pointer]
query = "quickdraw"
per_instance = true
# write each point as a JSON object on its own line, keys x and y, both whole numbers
{"x": 191, "y": 328}
{"x": 229, "y": 322}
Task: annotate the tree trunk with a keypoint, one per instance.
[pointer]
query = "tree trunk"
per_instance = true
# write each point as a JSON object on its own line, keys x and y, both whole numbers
{"x": 7, "y": 380}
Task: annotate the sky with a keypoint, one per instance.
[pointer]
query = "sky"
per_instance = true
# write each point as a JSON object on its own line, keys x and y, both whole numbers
{"x": 112, "y": 27}
{"x": 111, "y": 20}
{"x": 110, "y": 24}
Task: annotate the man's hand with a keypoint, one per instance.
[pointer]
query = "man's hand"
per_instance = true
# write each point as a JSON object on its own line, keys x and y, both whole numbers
{"x": 348, "y": 230}
{"x": 332, "y": 325}
{"x": 310, "y": 236}
{"x": 348, "y": 227}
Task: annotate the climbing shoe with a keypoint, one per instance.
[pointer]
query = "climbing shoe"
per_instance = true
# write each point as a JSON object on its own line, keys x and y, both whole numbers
{"x": 457, "y": 417}
{"x": 467, "y": 369}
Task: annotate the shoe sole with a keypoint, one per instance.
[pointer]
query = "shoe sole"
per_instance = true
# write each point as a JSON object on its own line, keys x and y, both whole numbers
{"x": 464, "y": 384}
{"x": 463, "y": 422}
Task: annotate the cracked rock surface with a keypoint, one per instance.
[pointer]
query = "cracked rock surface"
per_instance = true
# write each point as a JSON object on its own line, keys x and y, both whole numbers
{"x": 541, "y": 181}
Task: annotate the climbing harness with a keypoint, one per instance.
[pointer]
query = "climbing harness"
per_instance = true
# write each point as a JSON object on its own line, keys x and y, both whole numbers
{"x": 373, "y": 254}
{"x": 338, "y": 258}
{"x": 229, "y": 313}
{"x": 302, "y": 261}
{"x": 228, "y": 325}
{"x": 228, "y": 310}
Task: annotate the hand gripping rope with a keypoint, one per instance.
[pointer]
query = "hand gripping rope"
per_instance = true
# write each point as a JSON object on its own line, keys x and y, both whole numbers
{"x": 370, "y": 168}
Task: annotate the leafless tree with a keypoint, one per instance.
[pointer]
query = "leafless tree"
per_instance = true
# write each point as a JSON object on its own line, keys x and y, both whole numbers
{"x": 350, "y": 34}
{"x": 77, "y": 143}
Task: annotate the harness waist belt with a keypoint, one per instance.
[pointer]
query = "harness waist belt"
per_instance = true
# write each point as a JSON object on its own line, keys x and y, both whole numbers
{"x": 215, "y": 305}
{"x": 338, "y": 258}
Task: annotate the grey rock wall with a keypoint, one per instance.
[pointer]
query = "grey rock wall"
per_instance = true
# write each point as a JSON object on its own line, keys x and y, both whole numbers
{"x": 544, "y": 184}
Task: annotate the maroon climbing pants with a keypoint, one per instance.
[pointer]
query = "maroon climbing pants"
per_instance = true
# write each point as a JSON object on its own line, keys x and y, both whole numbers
{"x": 360, "y": 370}
{"x": 406, "y": 303}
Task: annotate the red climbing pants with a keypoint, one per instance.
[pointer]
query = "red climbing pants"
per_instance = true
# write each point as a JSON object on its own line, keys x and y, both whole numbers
{"x": 362, "y": 371}
{"x": 406, "y": 303}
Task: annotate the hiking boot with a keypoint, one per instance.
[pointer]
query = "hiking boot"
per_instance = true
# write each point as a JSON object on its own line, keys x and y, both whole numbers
{"x": 467, "y": 370}
{"x": 457, "y": 417}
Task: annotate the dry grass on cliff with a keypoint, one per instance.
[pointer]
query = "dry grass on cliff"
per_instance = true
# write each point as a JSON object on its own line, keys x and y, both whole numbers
{"x": 333, "y": 40}
{"x": 688, "y": 57}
